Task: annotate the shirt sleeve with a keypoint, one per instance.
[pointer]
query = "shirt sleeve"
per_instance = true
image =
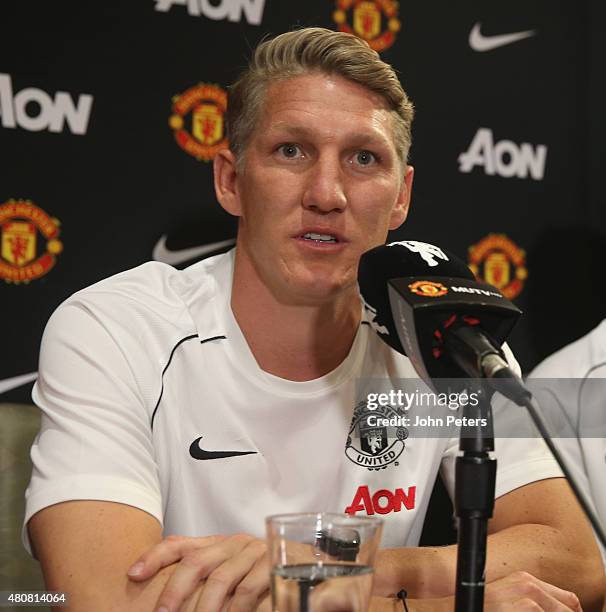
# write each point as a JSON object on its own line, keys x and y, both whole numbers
{"x": 95, "y": 440}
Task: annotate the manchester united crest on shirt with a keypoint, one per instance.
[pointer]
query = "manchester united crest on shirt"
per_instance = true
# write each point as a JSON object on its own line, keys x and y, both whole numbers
{"x": 374, "y": 21}
{"x": 376, "y": 437}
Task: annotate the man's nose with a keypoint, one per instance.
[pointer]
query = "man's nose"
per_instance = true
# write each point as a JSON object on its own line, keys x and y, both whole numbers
{"x": 325, "y": 189}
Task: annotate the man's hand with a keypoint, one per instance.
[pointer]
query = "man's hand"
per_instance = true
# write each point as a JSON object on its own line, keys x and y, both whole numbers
{"x": 538, "y": 528}
{"x": 522, "y": 591}
{"x": 517, "y": 592}
{"x": 235, "y": 570}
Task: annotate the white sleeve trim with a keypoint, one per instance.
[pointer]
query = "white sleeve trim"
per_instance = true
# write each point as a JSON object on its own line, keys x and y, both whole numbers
{"x": 525, "y": 472}
{"x": 91, "y": 487}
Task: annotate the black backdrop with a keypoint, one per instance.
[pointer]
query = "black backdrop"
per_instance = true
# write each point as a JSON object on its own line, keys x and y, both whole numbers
{"x": 527, "y": 115}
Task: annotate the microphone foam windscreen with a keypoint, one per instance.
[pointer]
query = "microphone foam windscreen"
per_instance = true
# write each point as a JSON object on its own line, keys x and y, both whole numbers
{"x": 400, "y": 260}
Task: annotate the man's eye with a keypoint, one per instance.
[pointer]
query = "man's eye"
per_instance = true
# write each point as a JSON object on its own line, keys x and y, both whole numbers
{"x": 289, "y": 150}
{"x": 365, "y": 158}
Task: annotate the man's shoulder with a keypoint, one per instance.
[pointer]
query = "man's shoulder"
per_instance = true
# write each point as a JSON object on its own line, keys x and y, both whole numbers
{"x": 157, "y": 285}
{"x": 129, "y": 324}
{"x": 145, "y": 279}
{"x": 152, "y": 302}
{"x": 582, "y": 358}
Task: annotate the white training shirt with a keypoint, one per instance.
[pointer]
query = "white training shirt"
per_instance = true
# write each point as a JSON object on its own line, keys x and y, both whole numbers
{"x": 581, "y": 401}
{"x": 144, "y": 375}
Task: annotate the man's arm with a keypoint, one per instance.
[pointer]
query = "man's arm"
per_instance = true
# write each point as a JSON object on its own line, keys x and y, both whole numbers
{"x": 543, "y": 530}
{"x": 538, "y": 528}
{"x": 86, "y": 548}
{"x": 429, "y": 573}
{"x": 518, "y": 592}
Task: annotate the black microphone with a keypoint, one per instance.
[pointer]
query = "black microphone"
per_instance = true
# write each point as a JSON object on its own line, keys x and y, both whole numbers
{"x": 425, "y": 303}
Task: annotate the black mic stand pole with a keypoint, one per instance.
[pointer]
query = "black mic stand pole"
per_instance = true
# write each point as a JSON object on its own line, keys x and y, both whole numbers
{"x": 474, "y": 503}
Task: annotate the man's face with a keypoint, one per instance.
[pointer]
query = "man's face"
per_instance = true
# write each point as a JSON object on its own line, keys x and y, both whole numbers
{"x": 321, "y": 182}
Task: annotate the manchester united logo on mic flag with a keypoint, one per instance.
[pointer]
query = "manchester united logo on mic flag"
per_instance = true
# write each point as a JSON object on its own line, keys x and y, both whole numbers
{"x": 428, "y": 288}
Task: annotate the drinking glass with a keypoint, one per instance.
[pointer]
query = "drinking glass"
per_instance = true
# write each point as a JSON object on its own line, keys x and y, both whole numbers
{"x": 322, "y": 562}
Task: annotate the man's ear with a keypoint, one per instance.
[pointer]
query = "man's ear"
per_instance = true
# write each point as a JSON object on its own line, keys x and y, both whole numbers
{"x": 226, "y": 183}
{"x": 400, "y": 209}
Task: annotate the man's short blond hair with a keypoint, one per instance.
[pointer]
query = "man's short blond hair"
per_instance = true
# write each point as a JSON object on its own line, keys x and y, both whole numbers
{"x": 307, "y": 50}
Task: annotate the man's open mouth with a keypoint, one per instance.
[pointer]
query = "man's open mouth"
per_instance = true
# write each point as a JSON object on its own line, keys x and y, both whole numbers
{"x": 319, "y": 237}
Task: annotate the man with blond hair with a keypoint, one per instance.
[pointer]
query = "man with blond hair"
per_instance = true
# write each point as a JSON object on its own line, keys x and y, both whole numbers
{"x": 191, "y": 404}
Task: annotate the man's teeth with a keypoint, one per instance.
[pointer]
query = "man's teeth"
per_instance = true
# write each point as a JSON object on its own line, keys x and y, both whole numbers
{"x": 319, "y": 237}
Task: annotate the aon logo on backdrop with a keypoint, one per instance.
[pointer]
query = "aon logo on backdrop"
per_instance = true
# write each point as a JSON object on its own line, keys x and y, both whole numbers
{"x": 504, "y": 157}
{"x": 224, "y": 9}
{"x": 35, "y": 110}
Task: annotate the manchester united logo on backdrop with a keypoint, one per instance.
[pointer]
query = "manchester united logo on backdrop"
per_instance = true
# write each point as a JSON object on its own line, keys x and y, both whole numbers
{"x": 29, "y": 241}
{"x": 428, "y": 288}
{"x": 375, "y": 21}
{"x": 376, "y": 437}
{"x": 197, "y": 120}
{"x": 497, "y": 260}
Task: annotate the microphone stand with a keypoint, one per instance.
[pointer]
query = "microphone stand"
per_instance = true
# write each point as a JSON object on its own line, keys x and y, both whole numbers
{"x": 474, "y": 503}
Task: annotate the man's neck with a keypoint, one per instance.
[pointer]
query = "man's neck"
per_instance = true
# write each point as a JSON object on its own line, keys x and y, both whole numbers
{"x": 295, "y": 342}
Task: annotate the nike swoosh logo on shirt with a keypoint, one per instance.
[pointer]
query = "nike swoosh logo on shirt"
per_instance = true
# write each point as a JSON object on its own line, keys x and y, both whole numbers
{"x": 479, "y": 42}
{"x": 173, "y": 258}
{"x": 17, "y": 381}
{"x": 198, "y": 453}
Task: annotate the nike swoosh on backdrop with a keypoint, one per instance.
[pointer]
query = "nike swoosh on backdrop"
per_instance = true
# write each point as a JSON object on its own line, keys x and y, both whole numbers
{"x": 173, "y": 258}
{"x": 479, "y": 42}
{"x": 17, "y": 381}
{"x": 198, "y": 453}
